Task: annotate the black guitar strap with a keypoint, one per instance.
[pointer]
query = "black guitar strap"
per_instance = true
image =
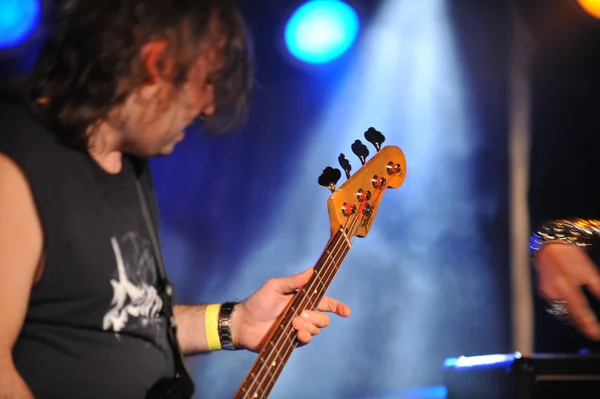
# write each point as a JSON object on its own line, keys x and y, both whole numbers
{"x": 182, "y": 386}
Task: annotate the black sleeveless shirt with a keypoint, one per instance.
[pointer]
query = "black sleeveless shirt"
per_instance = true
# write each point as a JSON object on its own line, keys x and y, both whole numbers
{"x": 93, "y": 328}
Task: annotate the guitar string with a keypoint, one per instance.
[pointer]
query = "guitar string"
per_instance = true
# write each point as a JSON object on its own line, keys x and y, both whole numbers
{"x": 258, "y": 379}
{"x": 281, "y": 364}
{"x": 275, "y": 359}
{"x": 328, "y": 278}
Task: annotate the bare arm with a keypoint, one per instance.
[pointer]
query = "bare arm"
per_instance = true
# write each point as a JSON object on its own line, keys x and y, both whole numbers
{"x": 254, "y": 317}
{"x": 20, "y": 252}
{"x": 191, "y": 332}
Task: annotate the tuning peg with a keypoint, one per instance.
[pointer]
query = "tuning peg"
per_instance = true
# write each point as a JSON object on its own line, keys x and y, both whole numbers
{"x": 361, "y": 151}
{"x": 345, "y": 164}
{"x": 375, "y": 137}
{"x": 330, "y": 177}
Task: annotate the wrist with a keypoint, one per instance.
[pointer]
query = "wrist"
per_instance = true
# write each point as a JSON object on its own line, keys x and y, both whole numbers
{"x": 226, "y": 315}
{"x": 236, "y": 323}
{"x": 578, "y": 232}
{"x": 219, "y": 321}
{"x": 211, "y": 327}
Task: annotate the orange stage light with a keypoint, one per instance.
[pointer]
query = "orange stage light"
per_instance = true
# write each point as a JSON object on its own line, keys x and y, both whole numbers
{"x": 591, "y": 6}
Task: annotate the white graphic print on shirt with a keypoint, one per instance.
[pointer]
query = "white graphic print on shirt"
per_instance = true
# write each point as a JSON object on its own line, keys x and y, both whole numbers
{"x": 135, "y": 301}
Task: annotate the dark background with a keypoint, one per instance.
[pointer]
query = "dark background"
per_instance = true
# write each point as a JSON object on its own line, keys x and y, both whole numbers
{"x": 564, "y": 127}
{"x": 431, "y": 280}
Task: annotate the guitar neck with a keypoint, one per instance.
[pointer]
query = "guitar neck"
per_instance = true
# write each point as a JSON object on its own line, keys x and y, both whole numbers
{"x": 281, "y": 340}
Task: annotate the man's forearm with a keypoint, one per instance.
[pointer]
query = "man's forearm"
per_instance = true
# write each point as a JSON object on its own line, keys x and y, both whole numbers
{"x": 191, "y": 331}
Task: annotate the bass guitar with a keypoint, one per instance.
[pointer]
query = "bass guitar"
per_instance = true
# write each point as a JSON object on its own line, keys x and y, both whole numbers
{"x": 352, "y": 208}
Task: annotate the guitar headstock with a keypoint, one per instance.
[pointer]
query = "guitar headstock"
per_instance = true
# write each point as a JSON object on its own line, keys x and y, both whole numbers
{"x": 354, "y": 204}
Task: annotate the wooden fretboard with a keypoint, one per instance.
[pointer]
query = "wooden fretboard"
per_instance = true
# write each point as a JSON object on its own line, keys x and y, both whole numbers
{"x": 282, "y": 340}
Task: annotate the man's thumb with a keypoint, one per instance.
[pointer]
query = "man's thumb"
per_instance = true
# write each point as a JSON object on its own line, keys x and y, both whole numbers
{"x": 295, "y": 282}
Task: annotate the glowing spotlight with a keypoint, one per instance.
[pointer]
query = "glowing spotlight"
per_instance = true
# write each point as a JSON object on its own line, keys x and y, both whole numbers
{"x": 18, "y": 19}
{"x": 321, "y": 30}
{"x": 591, "y": 6}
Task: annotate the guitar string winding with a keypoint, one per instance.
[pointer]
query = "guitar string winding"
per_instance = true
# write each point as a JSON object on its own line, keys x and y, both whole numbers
{"x": 328, "y": 278}
{"x": 353, "y": 229}
{"x": 260, "y": 379}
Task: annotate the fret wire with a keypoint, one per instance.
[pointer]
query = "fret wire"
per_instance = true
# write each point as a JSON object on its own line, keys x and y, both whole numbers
{"x": 313, "y": 300}
{"x": 282, "y": 361}
{"x": 288, "y": 351}
{"x": 330, "y": 276}
{"x": 314, "y": 295}
{"x": 275, "y": 360}
{"x": 279, "y": 369}
{"x": 287, "y": 319}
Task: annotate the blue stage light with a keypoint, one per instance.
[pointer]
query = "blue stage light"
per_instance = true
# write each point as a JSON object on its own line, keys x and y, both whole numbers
{"x": 321, "y": 30}
{"x": 18, "y": 19}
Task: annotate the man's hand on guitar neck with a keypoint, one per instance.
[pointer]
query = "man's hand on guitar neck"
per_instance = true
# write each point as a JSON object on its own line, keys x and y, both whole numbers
{"x": 254, "y": 317}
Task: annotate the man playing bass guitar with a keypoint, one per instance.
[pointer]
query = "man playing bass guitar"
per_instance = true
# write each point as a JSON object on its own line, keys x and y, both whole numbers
{"x": 86, "y": 304}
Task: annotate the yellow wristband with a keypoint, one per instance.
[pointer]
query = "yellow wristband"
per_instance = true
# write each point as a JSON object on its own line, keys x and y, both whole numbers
{"x": 211, "y": 320}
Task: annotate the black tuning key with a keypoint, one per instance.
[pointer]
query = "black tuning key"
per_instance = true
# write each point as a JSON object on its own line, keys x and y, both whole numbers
{"x": 330, "y": 177}
{"x": 375, "y": 137}
{"x": 361, "y": 151}
{"x": 345, "y": 164}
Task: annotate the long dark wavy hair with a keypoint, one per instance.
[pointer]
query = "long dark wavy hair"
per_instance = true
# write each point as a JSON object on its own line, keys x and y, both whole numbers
{"x": 92, "y": 62}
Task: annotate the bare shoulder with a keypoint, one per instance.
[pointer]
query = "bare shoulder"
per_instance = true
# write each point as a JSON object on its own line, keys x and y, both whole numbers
{"x": 20, "y": 250}
{"x": 21, "y": 234}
